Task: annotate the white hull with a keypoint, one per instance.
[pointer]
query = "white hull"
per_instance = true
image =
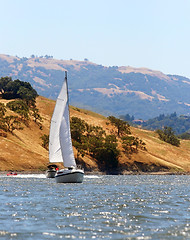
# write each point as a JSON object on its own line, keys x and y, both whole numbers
{"x": 69, "y": 176}
{"x": 50, "y": 173}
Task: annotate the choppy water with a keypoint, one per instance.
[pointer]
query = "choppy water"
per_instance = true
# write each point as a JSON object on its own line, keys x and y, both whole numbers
{"x": 106, "y": 207}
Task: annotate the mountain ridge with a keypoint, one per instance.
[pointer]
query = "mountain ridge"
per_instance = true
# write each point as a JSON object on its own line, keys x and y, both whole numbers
{"x": 141, "y": 92}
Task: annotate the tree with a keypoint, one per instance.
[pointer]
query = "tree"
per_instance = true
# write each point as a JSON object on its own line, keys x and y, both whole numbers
{"x": 122, "y": 126}
{"x": 127, "y": 117}
{"x": 78, "y": 127}
{"x": 109, "y": 153}
{"x": 37, "y": 118}
{"x": 12, "y": 88}
{"x": 8, "y": 123}
{"x": 17, "y": 89}
{"x": 94, "y": 141}
{"x": 168, "y": 136}
{"x": 128, "y": 143}
{"x": 3, "y": 83}
{"x": 131, "y": 144}
{"x": 27, "y": 93}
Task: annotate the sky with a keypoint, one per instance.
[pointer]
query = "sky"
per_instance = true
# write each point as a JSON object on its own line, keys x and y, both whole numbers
{"x": 140, "y": 33}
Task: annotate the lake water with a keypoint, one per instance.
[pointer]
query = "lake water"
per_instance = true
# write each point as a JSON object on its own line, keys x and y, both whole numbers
{"x": 105, "y": 207}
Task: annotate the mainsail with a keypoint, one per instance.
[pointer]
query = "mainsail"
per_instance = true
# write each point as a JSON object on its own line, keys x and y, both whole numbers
{"x": 60, "y": 143}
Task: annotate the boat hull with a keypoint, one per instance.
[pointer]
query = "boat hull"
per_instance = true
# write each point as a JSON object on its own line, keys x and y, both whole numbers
{"x": 50, "y": 173}
{"x": 69, "y": 176}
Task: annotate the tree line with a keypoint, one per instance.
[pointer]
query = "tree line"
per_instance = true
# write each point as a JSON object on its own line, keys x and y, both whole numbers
{"x": 94, "y": 141}
{"x": 179, "y": 124}
{"x": 176, "y": 125}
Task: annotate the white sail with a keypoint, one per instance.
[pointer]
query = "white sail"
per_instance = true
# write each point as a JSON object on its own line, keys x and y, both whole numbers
{"x": 65, "y": 140}
{"x": 60, "y": 143}
{"x": 54, "y": 142}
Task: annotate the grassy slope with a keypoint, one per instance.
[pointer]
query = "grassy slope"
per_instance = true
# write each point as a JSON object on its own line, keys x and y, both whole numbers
{"x": 23, "y": 151}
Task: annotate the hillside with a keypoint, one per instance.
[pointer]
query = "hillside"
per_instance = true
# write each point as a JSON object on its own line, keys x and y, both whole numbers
{"x": 23, "y": 151}
{"x": 179, "y": 124}
{"x": 116, "y": 90}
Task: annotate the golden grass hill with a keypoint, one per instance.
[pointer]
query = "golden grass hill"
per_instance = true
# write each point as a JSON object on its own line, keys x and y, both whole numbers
{"x": 23, "y": 149}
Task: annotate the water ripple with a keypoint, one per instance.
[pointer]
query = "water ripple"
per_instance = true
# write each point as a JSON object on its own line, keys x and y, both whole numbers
{"x": 106, "y": 207}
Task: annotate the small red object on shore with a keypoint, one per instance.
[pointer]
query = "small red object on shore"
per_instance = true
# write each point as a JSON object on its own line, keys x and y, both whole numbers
{"x": 11, "y": 174}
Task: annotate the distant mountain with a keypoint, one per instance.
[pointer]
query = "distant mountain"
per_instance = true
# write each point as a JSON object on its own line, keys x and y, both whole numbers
{"x": 140, "y": 92}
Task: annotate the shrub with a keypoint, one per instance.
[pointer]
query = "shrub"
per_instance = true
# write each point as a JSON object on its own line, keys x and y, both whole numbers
{"x": 45, "y": 141}
{"x": 20, "y": 107}
{"x": 168, "y": 136}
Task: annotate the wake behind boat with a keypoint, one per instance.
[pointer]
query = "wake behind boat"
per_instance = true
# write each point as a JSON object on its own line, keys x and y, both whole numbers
{"x": 60, "y": 143}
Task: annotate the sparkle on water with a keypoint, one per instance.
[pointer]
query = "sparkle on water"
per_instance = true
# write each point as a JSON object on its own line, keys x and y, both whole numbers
{"x": 105, "y": 207}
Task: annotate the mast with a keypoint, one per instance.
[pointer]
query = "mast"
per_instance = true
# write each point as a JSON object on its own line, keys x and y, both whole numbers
{"x": 65, "y": 133}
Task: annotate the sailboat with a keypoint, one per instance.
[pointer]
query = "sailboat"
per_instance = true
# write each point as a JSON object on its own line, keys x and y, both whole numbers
{"x": 60, "y": 143}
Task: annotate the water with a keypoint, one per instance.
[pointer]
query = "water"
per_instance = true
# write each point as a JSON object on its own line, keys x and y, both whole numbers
{"x": 106, "y": 207}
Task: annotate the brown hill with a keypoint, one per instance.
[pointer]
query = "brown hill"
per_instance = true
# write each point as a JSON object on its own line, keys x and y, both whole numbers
{"x": 147, "y": 93}
{"x": 23, "y": 150}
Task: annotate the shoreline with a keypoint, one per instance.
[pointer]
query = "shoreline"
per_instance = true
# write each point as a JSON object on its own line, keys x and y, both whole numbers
{"x": 103, "y": 173}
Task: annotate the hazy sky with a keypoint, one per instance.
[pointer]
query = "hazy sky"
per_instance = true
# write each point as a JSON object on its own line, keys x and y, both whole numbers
{"x": 139, "y": 33}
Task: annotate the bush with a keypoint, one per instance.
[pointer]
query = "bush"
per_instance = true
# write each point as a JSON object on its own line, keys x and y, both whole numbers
{"x": 45, "y": 141}
{"x": 131, "y": 144}
{"x": 12, "y": 123}
{"x": 20, "y": 107}
{"x": 168, "y": 136}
